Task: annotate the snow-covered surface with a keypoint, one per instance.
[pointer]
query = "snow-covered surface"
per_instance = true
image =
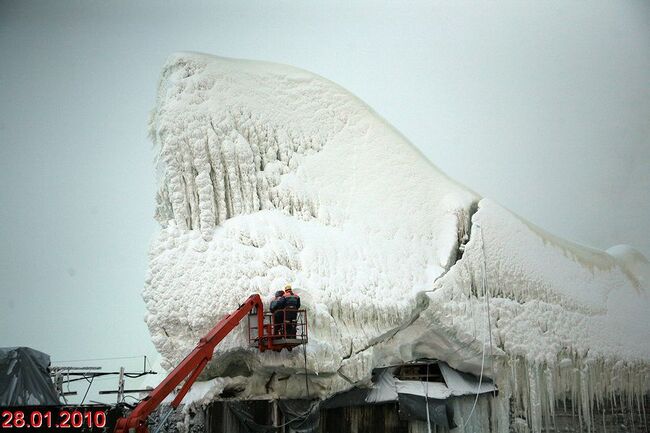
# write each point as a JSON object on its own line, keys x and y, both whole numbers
{"x": 270, "y": 174}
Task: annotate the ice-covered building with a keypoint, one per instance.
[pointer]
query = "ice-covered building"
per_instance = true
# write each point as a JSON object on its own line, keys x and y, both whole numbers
{"x": 270, "y": 174}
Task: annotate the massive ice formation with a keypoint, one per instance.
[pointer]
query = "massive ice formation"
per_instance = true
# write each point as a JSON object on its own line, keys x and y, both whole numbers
{"x": 270, "y": 174}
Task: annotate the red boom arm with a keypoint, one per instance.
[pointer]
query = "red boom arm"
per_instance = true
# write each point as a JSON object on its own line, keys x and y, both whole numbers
{"x": 190, "y": 367}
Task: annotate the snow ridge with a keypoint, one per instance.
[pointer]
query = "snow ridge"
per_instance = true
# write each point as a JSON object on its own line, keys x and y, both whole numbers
{"x": 261, "y": 185}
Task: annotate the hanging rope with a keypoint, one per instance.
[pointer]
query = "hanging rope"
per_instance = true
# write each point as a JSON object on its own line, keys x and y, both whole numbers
{"x": 486, "y": 295}
{"x": 304, "y": 352}
{"x": 304, "y": 416}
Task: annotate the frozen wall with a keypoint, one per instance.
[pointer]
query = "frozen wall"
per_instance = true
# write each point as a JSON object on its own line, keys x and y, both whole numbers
{"x": 270, "y": 174}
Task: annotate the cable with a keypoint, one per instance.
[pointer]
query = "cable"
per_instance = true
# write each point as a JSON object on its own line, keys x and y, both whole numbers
{"x": 87, "y": 389}
{"x": 478, "y": 389}
{"x": 99, "y": 359}
{"x": 306, "y": 414}
{"x": 304, "y": 351}
{"x": 103, "y": 373}
{"x": 136, "y": 375}
{"x": 486, "y": 293}
{"x": 487, "y": 305}
{"x": 138, "y": 400}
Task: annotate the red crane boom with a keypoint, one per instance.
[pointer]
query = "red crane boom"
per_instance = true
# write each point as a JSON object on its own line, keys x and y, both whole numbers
{"x": 191, "y": 366}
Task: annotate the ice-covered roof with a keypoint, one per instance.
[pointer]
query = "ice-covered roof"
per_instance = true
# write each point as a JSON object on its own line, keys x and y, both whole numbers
{"x": 270, "y": 174}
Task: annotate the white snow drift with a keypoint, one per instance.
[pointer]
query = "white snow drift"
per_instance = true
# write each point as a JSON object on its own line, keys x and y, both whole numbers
{"x": 270, "y": 174}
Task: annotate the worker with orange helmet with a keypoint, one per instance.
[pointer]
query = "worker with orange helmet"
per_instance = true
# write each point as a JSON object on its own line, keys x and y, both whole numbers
{"x": 293, "y": 300}
{"x": 291, "y": 307}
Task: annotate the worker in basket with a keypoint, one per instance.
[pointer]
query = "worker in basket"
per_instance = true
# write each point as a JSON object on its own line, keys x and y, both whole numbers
{"x": 278, "y": 304}
{"x": 292, "y": 305}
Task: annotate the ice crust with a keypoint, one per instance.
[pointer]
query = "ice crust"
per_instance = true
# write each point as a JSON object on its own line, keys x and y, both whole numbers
{"x": 270, "y": 174}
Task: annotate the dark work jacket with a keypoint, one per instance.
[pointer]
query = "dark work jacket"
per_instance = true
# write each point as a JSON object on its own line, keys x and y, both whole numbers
{"x": 292, "y": 300}
{"x": 278, "y": 303}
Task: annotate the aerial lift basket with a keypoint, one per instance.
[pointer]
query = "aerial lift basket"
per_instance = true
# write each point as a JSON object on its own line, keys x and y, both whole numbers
{"x": 277, "y": 335}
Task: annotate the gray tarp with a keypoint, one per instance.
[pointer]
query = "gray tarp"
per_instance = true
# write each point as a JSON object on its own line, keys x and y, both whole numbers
{"x": 24, "y": 378}
{"x": 300, "y": 416}
{"x": 242, "y": 419}
{"x": 414, "y": 407}
{"x": 386, "y": 387}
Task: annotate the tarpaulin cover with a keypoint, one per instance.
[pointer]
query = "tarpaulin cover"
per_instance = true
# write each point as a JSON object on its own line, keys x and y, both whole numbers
{"x": 300, "y": 416}
{"x": 413, "y": 407}
{"x": 353, "y": 397}
{"x": 386, "y": 387}
{"x": 244, "y": 419}
{"x": 383, "y": 387}
{"x": 24, "y": 378}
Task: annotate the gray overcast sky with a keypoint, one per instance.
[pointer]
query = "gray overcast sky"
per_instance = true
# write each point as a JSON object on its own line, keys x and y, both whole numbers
{"x": 543, "y": 106}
